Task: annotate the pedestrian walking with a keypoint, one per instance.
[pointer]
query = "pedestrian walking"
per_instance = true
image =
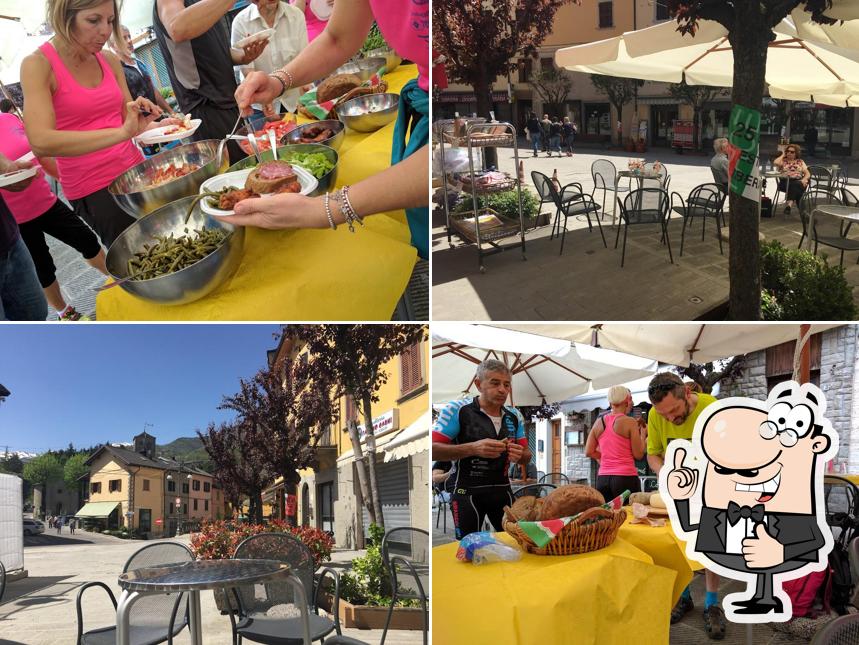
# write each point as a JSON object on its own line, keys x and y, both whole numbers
{"x": 72, "y": 523}
{"x": 535, "y": 132}
{"x": 555, "y": 132}
{"x": 59, "y": 524}
{"x": 570, "y": 132}
{"x": 546, "y": 128}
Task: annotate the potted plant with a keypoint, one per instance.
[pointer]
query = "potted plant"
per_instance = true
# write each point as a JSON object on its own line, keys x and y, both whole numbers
{"x": 505, "y": 204}
{"x": 640, "y": 146}
{"x": 630, "y": 144}
{"x": 365, "y": 593}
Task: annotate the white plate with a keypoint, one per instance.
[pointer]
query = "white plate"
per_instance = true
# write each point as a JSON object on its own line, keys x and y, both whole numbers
{"x": 27, "y": 157}
{"x": 265, "y": 33}
{"x": 237, "y": 179}
{"x": 15, "y": 176}
{"x": 156, "y": 135}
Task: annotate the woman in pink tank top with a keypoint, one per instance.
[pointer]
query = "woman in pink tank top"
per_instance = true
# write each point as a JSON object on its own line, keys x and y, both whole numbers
{"x": 77, "y": 108}
{"x": 616, "y": 441}
{"x": 316, "y": 14}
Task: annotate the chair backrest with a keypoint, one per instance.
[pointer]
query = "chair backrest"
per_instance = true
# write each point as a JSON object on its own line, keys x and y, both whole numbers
{"x": 154, "y": 610}
{"x": 410, "y": 544}
{"x": 283, "y": 548}
{"x": 823, "y": 224}
{"x": 646, "y": 205}
{"x": 853, "y": 555}
{"x": 664, "y": 177}
{"x": 706, "y": 199}
{"x": 849, "y": 197}
{"x": 821, "y": 177}
{"x": 544, "y": 186}
{"x": 554, "y": 478}
{"x": 534, "y": 490}
{"x": 604, "y": 173}
{"x": 844, "y": 630}
{"x": 841, "y": 497}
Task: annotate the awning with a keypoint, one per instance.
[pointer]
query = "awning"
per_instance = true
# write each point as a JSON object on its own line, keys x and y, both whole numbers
{"x": 97, "y": 509}
{"x": 411, "y": 441}
{"x": 383, "y": 440}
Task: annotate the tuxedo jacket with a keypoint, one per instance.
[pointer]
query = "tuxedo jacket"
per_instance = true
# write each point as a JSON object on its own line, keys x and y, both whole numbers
{"x": 799, "y": 533}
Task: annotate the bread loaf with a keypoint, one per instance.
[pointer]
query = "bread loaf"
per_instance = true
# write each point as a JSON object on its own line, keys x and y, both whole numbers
{"x": 525, "y": 508}
{"x": 656, "y": 501}
{"x": 640, "y": 498}
{"x": 570, "y": 500}
{"x": 336, "y": 86}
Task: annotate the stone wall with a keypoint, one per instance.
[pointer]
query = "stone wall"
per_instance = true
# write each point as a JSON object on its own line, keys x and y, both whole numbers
{"x": 753, "y": 382}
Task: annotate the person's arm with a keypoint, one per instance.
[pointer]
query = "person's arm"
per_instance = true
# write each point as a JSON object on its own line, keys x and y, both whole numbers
{"x": 517, "y": 448}
{"x": 49, "y": 165}
{"x": 488, "y": 448}
{"x": 119, "y": 73}
{"x": 7, "y": 165}
{"x": 40, "y": 120}
{"x": 184, "y": 23}
{"x": 403, "y": 185}
{"x": 592, "y": 449}
{"x": 343, "y": 36}
{"x": 655, "y": 449}
{"x": 806, "y": 174}
{"x": 636, "y": 438}
{"x": 778, "y": 161}
{"x": 299, "y": 4}
{"x": 440, "y": 476}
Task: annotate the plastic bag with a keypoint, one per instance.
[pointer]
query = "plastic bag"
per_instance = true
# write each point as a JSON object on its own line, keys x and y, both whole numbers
{"x": 483, "y": 547}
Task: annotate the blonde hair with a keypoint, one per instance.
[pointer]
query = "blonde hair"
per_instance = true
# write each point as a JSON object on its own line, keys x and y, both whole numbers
{"x": 61, "y": 15}
{"x": 617, "y": 394}
{"x": 118, "y": 44}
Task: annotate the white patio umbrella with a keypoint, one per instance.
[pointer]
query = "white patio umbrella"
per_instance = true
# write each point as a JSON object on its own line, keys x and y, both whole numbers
{"x": 545, "y": 370}
{"x": 661, "y": 53}
{"x": 676, "y": 344}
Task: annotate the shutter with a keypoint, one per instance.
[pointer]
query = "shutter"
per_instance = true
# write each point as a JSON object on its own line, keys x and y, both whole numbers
{"x": 779, "y": 358}
{"x": 410, "y": 369}
{"x": 393, "y": 481}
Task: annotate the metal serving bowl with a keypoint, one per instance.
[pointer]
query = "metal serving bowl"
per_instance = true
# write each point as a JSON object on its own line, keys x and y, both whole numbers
{"x": 326, "y": 182}
{"x": 363, "y": 68}
{"x": 131, "y": 189}
{"x": 392, "y": 59}
{"x": 191, "y": 283}
{"x": 370, "y": 112}
{"x": 335, "y": 141}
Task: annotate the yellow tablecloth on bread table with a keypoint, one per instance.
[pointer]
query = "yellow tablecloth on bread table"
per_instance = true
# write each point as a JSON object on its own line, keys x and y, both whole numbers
{"x": 614, "y": 595}
{"x": 315, "y": 274}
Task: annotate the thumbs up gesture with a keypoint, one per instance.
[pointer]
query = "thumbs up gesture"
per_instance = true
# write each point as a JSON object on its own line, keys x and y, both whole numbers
{"x": 682, "y": 480}
{"x": 762, "y": 551}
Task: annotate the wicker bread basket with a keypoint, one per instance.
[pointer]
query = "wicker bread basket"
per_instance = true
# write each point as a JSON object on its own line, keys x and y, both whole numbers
{"x": 594, "y": 529}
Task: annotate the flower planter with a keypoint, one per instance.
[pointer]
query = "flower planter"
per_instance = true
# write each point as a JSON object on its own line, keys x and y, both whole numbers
{"x": 640, "y": 147}
{"x": 371, "y": 617}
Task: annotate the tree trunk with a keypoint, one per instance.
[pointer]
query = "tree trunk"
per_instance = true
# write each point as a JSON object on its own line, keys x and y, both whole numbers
{"x": 482, "y": 94}
{"x": 613, "y": 126}
{"x": 749, "y": 39}
{"x": 360, "y": 467}
{"x": 371, "y": 461}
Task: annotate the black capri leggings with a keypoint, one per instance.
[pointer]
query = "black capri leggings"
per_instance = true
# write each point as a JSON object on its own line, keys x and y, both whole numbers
{"x": 613, "y": 485}
{"x": 62, "y": 224}
{"x": 793, "y": 188}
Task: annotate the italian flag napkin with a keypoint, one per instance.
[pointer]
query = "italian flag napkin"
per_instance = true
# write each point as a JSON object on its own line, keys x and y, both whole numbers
{"x": 541, "y": 533}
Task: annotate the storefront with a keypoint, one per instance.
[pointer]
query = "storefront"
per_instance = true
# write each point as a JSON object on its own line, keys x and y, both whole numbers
{"x": 596, "y": 122}
{"x": 448, "y": 104}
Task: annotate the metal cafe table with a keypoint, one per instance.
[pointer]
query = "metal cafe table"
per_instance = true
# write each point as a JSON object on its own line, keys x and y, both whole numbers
{"x": 194, "y": 577}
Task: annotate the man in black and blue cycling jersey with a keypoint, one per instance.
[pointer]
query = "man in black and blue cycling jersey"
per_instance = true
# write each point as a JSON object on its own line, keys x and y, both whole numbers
{"x": 483, "y": 436}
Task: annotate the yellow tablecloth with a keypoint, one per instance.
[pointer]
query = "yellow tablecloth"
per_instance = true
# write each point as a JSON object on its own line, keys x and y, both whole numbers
{"x": 308, "y": 274}
{"x": 853, "y": 478}
{"x": 614, "y": 595}
{"x": 660, "y": 543}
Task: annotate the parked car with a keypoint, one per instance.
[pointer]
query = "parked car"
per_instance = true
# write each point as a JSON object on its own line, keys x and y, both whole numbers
{"x": 33, "y": 527}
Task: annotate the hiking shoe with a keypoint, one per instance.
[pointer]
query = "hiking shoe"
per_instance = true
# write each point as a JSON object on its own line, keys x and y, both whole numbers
{"x": 71, "y": 315}
{"x": 787, "y": 210}
{"x": 714, "y": 622}
{"x": 683, "y": 607}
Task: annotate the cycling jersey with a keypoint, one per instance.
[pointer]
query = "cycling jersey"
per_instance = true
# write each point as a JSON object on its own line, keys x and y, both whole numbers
{"x": 462, "y": 422}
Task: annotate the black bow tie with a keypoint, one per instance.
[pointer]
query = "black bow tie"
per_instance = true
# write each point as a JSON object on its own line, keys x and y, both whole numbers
{"x": 735, "y": 512}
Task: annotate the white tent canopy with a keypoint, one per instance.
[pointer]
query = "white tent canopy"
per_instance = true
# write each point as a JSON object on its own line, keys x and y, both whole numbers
{"x": 544, "y": 370}
{"x": 676, "y": 344}
{"x": 661, "y": 53}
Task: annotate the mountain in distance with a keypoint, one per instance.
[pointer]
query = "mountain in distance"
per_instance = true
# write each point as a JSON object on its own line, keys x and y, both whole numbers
{"x": 186, "y": 449}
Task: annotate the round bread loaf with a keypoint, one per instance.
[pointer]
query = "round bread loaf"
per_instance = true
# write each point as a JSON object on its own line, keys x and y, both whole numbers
{"x": 656, "y": 501}
{"x": 570, "y": 500}
{"x": 640, "y": 498}
{"x": 525, "y": 508}
{"x": 335, "y": 86}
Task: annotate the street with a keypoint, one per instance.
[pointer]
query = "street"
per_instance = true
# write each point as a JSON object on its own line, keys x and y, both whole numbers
{"x": 40, "y": 609}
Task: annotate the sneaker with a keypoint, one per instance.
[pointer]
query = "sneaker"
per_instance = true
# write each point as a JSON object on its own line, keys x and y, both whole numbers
{"x": 683, "y": 607}
{"x": 714, "y": 622}
{"x": 787, "y": 210}
{"x": 71, "y": 315}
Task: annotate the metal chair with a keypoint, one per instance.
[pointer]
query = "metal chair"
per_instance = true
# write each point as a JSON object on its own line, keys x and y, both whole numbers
{"x": 841, "y": 497}
{"x": 554, "y": 478}
{"x": 534, "y": 490}
{"x": 254, "y": 620}
{"x": 664, "y": 177}
{"x": 405, "y": 552}
{"x": 844, "y": 630}
{"x": 443, "y": 503}
{"x": 540, "y": 474}
{"x": 155, "y": 618}
{"x": 542, "y": 183}
{"x": 572, "y": 201}
{"x": 821, "y": 177}
{"x": 810, "y": 200}
{"x": 706, "y": 200}
{"x": 830, "y": 230}
{"x": 645, "y": 206}
{"x": 604, "y": 174}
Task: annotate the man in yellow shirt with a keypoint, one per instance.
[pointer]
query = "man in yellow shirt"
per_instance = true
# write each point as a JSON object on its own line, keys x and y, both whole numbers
{"x": 675, "y": 409}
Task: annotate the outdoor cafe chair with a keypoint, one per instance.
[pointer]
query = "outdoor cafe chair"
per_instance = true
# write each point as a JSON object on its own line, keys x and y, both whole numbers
{"x": 405, "y": 552}
{"x": 841, "y": 497}
{"x": 569, "y": 201}
{"x": 554, "y": 478}
{"x": 828, "y": 230}
{"x": 844, "y": 630}
{"x": 533, "y": 490}
{"x": 706, "y": 200}
{"x": 604, "y": 174}
{"x": 645, "y": 206}
{"x": 542, "y": 184}
{"x": 442, "y": 502}
{"x": 259, "y": 616}
{"x": 664, "y": 178}
{"x": 812, "y": 198}
{"x": 821, "y": 177}
{"x": 154, "y": 618}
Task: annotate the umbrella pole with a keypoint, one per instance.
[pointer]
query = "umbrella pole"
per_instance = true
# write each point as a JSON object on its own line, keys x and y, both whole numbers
{"x": 802, "y": 355}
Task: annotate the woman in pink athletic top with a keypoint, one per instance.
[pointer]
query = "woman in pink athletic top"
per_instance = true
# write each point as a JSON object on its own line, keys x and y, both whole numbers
{"x": 316, "y": 14}
{"x": 77, "y": 108}
{"x": 616, "y": 441}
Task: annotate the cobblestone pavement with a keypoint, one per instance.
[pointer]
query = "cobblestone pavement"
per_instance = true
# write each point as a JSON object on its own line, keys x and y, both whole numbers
{"x": 40, "y": 609}
{"x": 587, "y": 282}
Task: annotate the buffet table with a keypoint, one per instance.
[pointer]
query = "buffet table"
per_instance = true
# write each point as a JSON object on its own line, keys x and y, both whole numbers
{"x": 614, "y": 595}
{"x": 315, "y": 274}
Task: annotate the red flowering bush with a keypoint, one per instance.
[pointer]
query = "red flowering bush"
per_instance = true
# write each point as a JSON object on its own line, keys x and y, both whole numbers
{"x": 218, "y": 540}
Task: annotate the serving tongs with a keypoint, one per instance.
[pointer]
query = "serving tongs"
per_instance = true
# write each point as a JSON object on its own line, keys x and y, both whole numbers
{"x": 252, "y": 139}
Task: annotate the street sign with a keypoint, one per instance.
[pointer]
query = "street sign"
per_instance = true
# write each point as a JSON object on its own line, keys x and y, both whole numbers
{"x": 291, "y": 505}
{"x": 159, "y": 521}
{"x": 178, "y": 501}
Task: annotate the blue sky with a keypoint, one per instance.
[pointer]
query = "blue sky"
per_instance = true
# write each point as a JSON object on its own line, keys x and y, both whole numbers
{"x": 89, "y": 384}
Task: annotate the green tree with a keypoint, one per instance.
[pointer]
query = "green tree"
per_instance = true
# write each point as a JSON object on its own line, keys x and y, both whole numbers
{"x": 12, "y": 464}
{"x": 553, "y": 87}
{"x": 74, "y": 469}
{"x": 698, "y": 96}
{"x": 40, "y": 470}
{"x": 619, "y": 91}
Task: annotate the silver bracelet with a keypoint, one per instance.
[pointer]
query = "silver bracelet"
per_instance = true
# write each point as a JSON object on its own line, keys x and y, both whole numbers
{"x": 327, "y": 202}
{"x": 291, "y": 80}
{"x": 347, "y": 207}
{"x": 280, "y": 80}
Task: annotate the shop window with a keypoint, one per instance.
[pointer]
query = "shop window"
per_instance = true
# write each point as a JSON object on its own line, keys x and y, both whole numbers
{"x": 410, "y": 369}
{"x": 114, "y": 486}
{"x": 605, "y": 12}
{"x": 662, "y": 10}
{"x": 207, "y": 487}
{"x": 145, "y": 484}
{"x": 95, "y": 487}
